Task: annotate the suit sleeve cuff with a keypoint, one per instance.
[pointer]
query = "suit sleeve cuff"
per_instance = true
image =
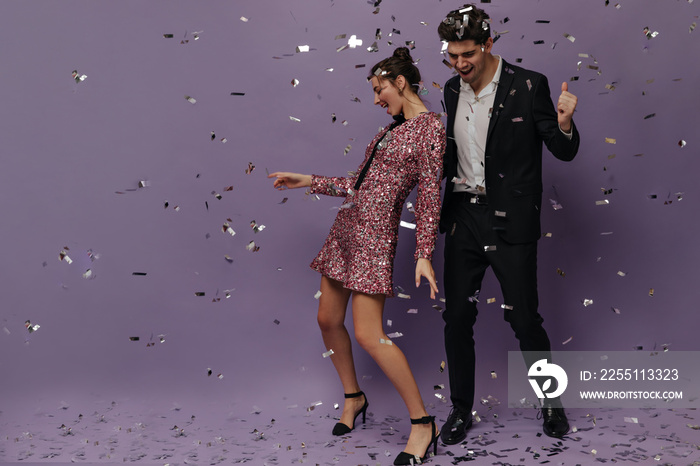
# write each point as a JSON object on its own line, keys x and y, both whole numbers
{"x": 568, "y": 135}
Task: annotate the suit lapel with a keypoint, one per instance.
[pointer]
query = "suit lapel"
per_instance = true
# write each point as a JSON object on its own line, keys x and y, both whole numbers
{"x": 451, "y": 100}
{"x": 504, "y": 84}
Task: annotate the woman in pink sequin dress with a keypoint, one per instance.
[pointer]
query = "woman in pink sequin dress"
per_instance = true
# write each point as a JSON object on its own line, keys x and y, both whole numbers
{"x": 356, "y": 261}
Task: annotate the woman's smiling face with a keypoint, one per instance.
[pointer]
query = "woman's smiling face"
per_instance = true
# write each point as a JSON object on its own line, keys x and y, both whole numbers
{"x": 386, "y": 95}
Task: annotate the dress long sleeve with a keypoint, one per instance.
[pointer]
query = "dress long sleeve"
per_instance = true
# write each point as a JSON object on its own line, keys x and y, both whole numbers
{"x": 330, "y": 185}
{"x": 428, "y": 197}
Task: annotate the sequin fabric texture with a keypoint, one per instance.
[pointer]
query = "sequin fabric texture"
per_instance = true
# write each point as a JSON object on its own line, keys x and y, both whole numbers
{"x": 360, "y": 248}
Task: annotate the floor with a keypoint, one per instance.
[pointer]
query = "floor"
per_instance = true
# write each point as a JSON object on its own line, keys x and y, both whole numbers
{"x": 210, "y": 432}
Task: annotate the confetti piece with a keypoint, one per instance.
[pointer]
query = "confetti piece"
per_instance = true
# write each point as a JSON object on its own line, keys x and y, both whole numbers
{"x": 411, "y": 226}
{"x": 403, "y": 296}
{"x": 226, "y": 228}
{"x": 490, "y": 248}
{"x": 244, "y": 19}
{"x": 681, "y": 143}
{"x": 632, "y": 420}
{"x": 651, "y": 292}
{"x": 611, "y": 141}
{"x": 561, "y": 272}
{"x": 567, "y": 341}
{"x": 238, "y": 93}
{"x": 385, "y": 342}
{"x": 191, "y": 100}
{"x": 317, "y": 295}
{"x": 295, "y": 82}
{"x": 490, "y": 300}
{"x": 587, "y": 302}
{"x": 63, "y": 255}
{"x": 88, "y": 274}
{"x": 442, "y": 366}
{"x": 395, "y": 335}
{"x": 603, "y": 202}
{"x": 252, "y": 247}
{"x": 303, "y": 48}
{"x": 354, "y": 42}
{"x": 412, "y": 311}
{"x": 651, "y": 115}
{"x": 250, "y": 168}
{"x": 78, "y": 77}
{"x": 494, "y": 375}
{"x": 200, "y": 293}
{"x": 327, "y": 353}
{"x": 649, "y": 33}
{"x": 295, "y": 119}
{"x": 31, "y": 328}
{"x": 506, "y": 306}
{"x": 347, "y": 149}
{"x": 571, "y": 38}
{"x": 615, "y": 310}
{"x": 256, "y": 228}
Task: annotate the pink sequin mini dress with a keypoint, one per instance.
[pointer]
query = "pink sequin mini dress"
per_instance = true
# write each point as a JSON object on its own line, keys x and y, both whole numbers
{"x": 360, "y": 248}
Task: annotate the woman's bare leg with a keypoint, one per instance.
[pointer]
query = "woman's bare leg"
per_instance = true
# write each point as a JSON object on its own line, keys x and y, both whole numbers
{"x": 332, "y": 307}
{"x": 367, "y": 311}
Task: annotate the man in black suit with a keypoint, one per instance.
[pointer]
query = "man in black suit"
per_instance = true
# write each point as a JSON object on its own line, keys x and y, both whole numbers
{"x": 498, "y": 116}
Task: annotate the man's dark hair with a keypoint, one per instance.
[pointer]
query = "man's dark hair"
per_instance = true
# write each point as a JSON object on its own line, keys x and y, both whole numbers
{"x": 466, "y": 23}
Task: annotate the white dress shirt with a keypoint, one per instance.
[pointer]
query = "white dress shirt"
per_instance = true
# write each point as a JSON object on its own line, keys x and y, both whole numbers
{"x": 470, "y": 131}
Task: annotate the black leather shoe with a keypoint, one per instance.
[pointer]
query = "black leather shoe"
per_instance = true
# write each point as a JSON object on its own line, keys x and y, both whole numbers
{"x": 455, "y": 429}
{"x": 554, "y": 422}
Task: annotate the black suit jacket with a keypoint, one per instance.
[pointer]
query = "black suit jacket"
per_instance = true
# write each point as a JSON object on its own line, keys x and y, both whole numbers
{"x": 523, "y": 117}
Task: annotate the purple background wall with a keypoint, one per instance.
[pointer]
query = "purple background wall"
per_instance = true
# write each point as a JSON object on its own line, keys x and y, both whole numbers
{"x": 73, "y": 155}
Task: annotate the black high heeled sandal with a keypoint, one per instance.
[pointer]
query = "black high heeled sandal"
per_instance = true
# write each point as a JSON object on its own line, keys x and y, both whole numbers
{"x": 407, "y": 458}
{"x": 342, "y": 429}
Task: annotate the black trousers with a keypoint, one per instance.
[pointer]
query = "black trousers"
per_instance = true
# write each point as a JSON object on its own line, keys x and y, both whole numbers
{"x": 471, "y": 246}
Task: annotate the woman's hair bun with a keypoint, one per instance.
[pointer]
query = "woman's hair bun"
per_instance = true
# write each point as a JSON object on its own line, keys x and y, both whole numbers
{"x": 399, "y": 64}
{"x": 402, "y": 53}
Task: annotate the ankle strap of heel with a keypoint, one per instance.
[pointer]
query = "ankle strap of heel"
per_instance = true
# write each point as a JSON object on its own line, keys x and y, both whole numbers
{"x": 423, "y": 420}
{"x": 354, "y": 395}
